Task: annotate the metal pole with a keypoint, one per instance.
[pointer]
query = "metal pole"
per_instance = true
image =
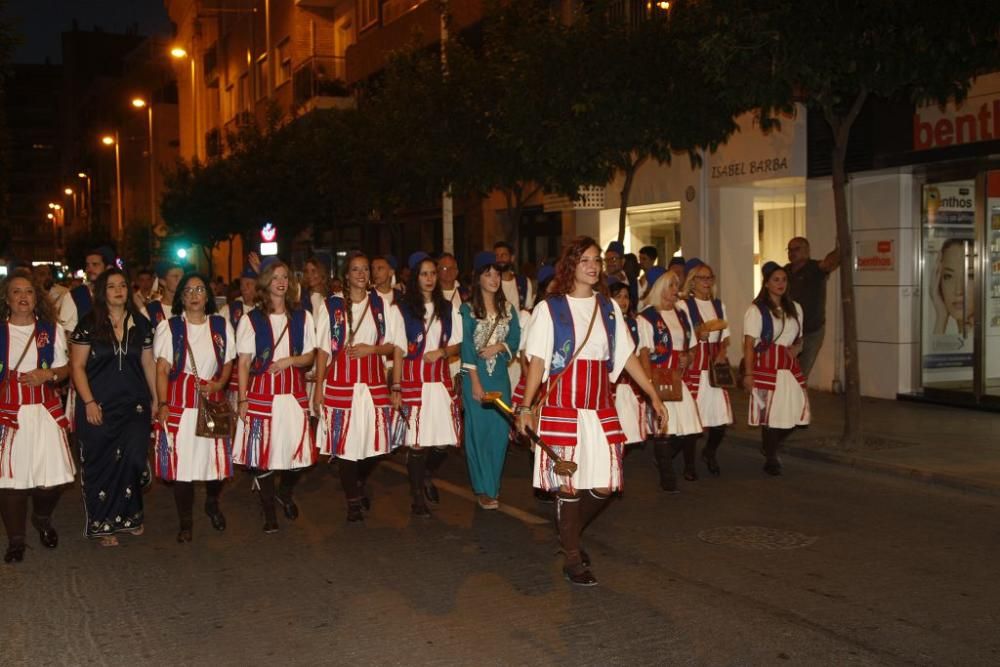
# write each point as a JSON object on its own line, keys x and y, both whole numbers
{"x": 447, "y": 202}
{"x": 267, "y": 47}
{"x": 118, "y": 185}
{"x": 152, "y": 182}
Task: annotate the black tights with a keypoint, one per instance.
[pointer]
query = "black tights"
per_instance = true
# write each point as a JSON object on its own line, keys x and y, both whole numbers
{"x": 14, "y": 509}
{"x": 771, "y": 439}
{"x": 715, "y": 436}
{"x": 354, "y": 475}
{"x": 421, "y": 464}
{"x": 265, "y": 484}
{"x": 184, "y": 499}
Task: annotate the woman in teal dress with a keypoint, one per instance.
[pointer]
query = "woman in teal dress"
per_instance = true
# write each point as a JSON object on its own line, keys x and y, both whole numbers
{"x": 490, "y": 337}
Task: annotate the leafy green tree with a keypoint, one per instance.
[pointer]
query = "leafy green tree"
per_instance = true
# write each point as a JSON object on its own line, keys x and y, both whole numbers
{"x": 834, "y": 56}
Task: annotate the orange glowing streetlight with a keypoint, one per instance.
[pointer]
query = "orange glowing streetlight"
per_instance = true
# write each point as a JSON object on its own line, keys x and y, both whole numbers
{"x": 112, "y": 140}
{"x": 108, "y": 140}
{"x": 178, "y": 52}
{"x": 68, "y": 192}
{"x": 138, "y": 103}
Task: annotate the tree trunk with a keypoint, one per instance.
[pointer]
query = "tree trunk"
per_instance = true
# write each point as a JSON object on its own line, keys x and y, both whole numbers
{"x": 841, "y": 126}
{"x": 229, "y": 259}
{"x": 629, "y": 172}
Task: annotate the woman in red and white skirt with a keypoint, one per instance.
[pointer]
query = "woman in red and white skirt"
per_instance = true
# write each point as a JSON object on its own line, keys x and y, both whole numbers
{"x": 194, "y": 356}
{"x": 354, "y": 333}
{"x": 35, "y": 460}
{"x": 665, "y": 337}
{"x": 275, "y": 342}
{"x": 579, "y": 342}
{"x": 629, "y": 401}
{"x": 427, "y": 397}
{"x": 712, "y": 345}
{"x": 772, "y": 329}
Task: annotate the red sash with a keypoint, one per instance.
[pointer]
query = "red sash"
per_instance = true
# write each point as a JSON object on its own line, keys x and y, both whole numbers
{"x": 584, "y": 386}
{"x": 769, "y": 361}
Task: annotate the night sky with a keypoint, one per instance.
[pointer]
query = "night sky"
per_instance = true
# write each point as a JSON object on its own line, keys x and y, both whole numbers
{"x": 40, "y": 22}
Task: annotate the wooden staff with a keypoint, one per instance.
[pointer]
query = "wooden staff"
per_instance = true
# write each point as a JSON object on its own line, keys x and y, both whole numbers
{"x": 562, "y": 468}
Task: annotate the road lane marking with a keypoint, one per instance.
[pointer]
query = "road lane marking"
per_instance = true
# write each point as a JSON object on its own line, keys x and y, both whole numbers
{"x": 461, "y": 492}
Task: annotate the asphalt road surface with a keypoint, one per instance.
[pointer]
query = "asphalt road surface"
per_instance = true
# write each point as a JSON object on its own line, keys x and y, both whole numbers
{"x": 823, "y": 566}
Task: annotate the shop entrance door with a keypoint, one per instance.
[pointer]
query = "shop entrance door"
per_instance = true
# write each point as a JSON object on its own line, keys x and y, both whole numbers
{"x": 948, "y": 349}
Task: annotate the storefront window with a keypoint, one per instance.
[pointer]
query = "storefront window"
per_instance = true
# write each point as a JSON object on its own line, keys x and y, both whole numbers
{"x": 948, "y": 217}
{"x": 992, "y": 284}
{"x": 779, "y": 217}
{"x": 658, "y": 226}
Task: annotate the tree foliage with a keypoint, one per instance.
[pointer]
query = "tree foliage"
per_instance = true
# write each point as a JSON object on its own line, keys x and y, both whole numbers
{"x": 833, "y": 56}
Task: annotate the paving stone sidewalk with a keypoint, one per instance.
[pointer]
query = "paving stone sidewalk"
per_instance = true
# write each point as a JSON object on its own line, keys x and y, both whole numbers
{"x": 954, "y": 447}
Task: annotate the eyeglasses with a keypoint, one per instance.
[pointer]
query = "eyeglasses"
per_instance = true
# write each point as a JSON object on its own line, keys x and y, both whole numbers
{"x": 194, "y": 290}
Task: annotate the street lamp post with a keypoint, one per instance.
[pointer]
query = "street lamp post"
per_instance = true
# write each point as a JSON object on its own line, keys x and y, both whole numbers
{"x": 88, "y": 202}
{"x": 140, "y": 103}
{"x": 109, "y": 140}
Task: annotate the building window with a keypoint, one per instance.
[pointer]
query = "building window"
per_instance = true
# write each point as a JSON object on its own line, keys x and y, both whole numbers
{"x": 283, "y": 71}
{"x": 368, "y": 11}
{"x": 262, "y": 78}
{"x": 394, "y": 9}
{"x": 243, "y": 93}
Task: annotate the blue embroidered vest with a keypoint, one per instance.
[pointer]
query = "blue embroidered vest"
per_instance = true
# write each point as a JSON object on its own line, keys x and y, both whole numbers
{"x": 264, "y": 338}
{"x": 45, "y": 345}
{"x": 235, "y": 313}
{"x": 336, "y": 307}
{"x": 663, "y": 344}
{"x": 307, "y": 303}
{"x": 564, "y": 339}
{"x": 178, "y": 335}
{"x": 156, "y": 312}
{"x": 522, "y": 290}
{"x": 767, "y": 328}
{"x": 633, "y": 329}
{"x": 696, "y": 318}
{"x": 84, "y": 302}
{"x": 415, "y": 339}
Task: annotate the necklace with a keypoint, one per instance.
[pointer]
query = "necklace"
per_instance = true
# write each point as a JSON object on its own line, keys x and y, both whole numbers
{"x": 119, "y": 345}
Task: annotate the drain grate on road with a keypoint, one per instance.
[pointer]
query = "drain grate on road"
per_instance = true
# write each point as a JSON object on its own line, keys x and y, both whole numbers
{"x": 756, "y": 537}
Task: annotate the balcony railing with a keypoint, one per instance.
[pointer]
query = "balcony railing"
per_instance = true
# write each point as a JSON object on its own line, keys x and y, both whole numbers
{"x": 319, "y": 76}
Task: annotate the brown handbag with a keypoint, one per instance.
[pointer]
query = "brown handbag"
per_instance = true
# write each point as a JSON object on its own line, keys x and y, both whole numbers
{"x": 669, "y": 383}
{"x": 216, "y": 419}
{"x": 720, "y": 375}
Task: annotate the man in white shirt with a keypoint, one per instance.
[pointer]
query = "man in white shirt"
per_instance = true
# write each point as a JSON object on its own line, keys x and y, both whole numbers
{"x": 448, "y": 278}
{"x": 80, "y": 299}
{"x": 517, "y": 289}
{"x": 383, "y": 269}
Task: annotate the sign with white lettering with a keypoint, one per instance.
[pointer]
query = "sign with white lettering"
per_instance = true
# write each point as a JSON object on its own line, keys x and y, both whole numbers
{"x": 974, "y": 120}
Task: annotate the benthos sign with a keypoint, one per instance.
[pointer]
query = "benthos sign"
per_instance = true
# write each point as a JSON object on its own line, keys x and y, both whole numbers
{"x": 974, "y": 120}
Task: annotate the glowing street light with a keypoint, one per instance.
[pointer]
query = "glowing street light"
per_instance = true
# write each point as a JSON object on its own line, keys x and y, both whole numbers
{"x": 51, "y": 205}
{"x": 139, "y": 103}
{"x": 57, "y": 207}
{"x": 68, "y": 192}
{"x": 82, "y": 175}
{"x": 109, "y": 140}
{"x": 50, "y": 216}
{"x": 178, "y": 52}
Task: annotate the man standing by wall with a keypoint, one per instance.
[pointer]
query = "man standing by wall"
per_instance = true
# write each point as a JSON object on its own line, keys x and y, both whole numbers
{"x": 807, "y": 285}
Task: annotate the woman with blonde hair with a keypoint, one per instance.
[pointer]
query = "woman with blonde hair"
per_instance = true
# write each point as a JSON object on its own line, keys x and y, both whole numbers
{"x": 275, "y": 342}
{"x": 702, "y": 307}
{"x": 665, "y": 337}
{"x": 35, "y": 461}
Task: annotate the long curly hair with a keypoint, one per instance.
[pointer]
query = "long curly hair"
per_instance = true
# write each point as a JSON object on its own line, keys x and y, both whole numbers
{"x": 263, "y": 298}
{"x": 413, "y": 298}
{"x": 566, "y": 265}
{"x": 44, "y": 310}
{"x": 101, "y": 328}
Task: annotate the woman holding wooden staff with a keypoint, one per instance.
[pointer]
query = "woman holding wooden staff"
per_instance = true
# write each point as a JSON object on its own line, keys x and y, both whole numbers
{"x": 578, "y": 341}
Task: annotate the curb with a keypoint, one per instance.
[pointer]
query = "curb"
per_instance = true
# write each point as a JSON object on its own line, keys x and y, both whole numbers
{"x": 921, "y": 475}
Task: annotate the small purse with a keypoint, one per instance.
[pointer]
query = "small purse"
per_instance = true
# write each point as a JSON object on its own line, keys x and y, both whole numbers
{"x": 669, "y": 383}
{"x": 216, "y": 419}
{"x": 720, "y": 375}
